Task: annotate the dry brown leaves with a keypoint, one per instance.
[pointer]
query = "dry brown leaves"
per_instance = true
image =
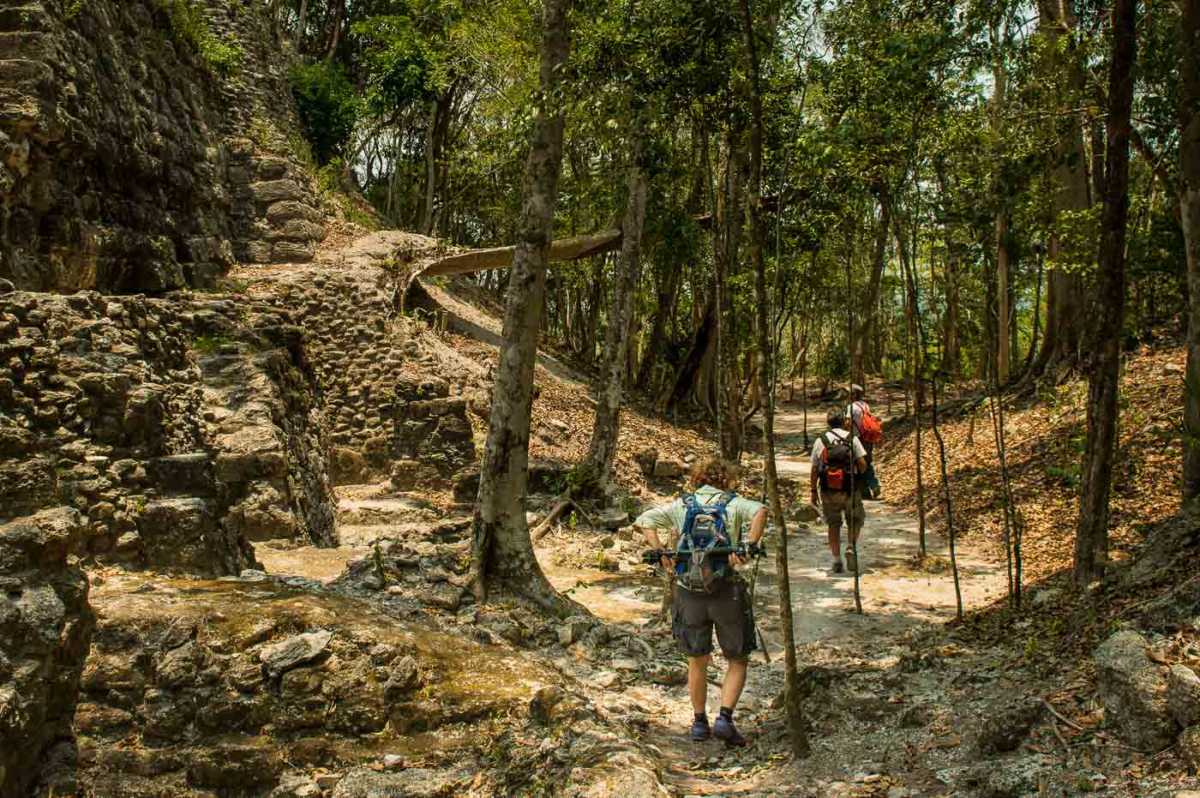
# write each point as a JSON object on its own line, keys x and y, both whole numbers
{"x": 1044, "y": 451}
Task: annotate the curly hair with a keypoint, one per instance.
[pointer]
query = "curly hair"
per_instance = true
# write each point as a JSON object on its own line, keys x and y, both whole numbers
{"x": 714, "y": 471}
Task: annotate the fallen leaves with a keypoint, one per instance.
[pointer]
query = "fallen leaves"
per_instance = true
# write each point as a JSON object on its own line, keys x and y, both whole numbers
{"x": 1045, "y": 447}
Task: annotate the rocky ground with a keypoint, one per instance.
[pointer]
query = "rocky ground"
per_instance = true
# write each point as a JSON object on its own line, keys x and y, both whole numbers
{"x": 328, "y": 431}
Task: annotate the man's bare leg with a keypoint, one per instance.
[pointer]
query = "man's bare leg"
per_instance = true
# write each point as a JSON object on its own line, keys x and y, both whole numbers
{"x": 698, "y": 682}
{"x": 835, "y": 542}
{"x": 735, "y": 680}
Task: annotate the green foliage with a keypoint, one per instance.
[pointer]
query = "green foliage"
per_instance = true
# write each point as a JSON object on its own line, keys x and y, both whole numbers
{"x": 190, "y": 25}
{"x": 328, "y": 105}
{"x": 210, "y": 344}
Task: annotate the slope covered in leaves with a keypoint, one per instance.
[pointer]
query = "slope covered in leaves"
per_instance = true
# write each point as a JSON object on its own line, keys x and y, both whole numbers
{"x": 1045, "y": 439}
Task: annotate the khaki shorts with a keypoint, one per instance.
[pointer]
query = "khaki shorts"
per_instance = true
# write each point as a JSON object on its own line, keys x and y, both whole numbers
{"x": 836, "y": 505}
{"x": 727, "y": 609}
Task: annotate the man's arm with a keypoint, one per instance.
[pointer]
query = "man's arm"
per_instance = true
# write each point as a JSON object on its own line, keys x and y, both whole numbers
{"x": 653, "y": 540}
{"x": 649, "y": 523}
{"x": 758, "y": 526}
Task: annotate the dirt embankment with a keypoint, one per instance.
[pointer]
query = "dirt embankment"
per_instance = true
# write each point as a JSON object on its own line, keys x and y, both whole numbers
{"x": 1045, "y": 432}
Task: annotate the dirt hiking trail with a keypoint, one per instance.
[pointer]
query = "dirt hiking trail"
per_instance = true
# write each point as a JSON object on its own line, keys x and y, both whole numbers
{"x": 898, "y": 595}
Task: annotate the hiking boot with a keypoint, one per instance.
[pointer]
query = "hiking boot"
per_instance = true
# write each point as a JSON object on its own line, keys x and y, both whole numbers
{"x": 838, "y": 567}
{"x": 851, "y": 561}
{"x": 700, "y": 730}
{"x": 725, "y": 730}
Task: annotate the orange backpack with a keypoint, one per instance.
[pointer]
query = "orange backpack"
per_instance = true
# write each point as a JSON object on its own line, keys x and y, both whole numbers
{"x": 870, "y": 428}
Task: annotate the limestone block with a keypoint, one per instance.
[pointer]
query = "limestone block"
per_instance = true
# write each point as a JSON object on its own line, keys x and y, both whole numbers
{"x": 1133, "y": 690}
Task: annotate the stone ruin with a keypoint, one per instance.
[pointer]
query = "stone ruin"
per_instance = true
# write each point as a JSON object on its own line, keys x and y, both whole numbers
{"x": 129, "y": 162}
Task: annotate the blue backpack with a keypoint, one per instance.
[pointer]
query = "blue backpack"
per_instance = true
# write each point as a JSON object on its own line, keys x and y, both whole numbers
{"x": 704, "y": 529}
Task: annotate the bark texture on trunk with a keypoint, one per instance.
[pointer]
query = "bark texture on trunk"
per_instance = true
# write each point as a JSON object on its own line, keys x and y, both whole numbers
{"x": 1189, "y": 205}
{"x": 797, "y": 728}
{"x": 502, "y": 550}
{"x": 1104, "y": 361}
{"x": 602, "y": 450}
{"x": 1065, "y": 292}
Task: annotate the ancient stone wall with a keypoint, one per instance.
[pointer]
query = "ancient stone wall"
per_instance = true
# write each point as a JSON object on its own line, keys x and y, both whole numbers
{"x": 130, "y": 161}
{"x": 45, "y": 631}
{"x": 388, "y": 403}
{"x": 180, "y": 428}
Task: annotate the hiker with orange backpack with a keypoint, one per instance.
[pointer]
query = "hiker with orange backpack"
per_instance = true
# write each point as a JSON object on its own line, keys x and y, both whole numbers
{"x": 869, "y": 429}
{"x": 838, "y": 463}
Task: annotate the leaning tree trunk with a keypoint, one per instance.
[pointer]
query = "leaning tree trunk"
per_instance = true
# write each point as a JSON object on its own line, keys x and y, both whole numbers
{"x": 1189, "y": 205}
{"x": 1104, "y": 366}
{"x": 797, "y": 728}
{"x": 603, "y": 448}
{"x": 502, "y": 550}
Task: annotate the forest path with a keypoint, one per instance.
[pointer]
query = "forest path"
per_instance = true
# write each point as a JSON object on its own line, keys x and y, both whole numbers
{"x": 898, "y": 594}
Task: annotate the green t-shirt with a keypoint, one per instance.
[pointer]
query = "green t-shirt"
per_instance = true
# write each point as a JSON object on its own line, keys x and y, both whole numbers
{"x": 738, "y": 513}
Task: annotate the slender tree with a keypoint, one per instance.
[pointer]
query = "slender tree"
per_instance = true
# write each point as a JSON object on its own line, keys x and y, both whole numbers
{"x": 502, "y": 549}
{"x": 758, "y": 234}
{"x": 1104, "y": 362}
{"x": 1189, "y": 205}
{"x": 603, "y": 448}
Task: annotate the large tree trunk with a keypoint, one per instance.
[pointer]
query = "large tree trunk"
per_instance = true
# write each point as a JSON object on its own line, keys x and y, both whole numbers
{"x": 668, "y": 290}
{"x": 502, "y": 550}
{"x": 1104, "y": 361}
{"x": 795, "y": 716}
{"x": 1189, "y": 205}
{"x": 686, "y": 376}
{"x": 1065, "y": 292}
{"x": 603, "y": 448}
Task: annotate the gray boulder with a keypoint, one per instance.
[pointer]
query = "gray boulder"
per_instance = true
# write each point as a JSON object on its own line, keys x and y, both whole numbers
{"x": 294, "y": 651}
{"x": 1183, "y": 695}
{"x": 1133, "y": 690}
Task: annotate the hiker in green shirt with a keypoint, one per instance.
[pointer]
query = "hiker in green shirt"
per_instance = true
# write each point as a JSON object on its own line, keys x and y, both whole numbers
{"x": 724, "y": 602}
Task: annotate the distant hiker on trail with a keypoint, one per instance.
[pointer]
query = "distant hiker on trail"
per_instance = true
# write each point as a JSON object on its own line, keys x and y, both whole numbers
{"x": 869, "y": 430}
{"x": 709, "y": 592}
{"x": 836, "y": 483}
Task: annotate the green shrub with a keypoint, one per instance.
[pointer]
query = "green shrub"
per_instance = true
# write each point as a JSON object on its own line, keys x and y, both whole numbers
{"x": 189, "y": 25}
{"x": 328, "y": 106}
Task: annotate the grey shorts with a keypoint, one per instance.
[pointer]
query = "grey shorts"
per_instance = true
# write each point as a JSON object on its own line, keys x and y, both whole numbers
{"x": 727, "y": 608}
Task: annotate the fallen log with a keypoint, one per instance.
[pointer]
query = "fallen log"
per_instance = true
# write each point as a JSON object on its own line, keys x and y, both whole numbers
{"x": 563, "y": 249}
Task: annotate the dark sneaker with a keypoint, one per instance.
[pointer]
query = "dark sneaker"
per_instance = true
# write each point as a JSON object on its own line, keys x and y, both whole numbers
{"x": 838, "y": 567}
{"x": 700, "y": 731}
{"x": 852, "y": 561}
{"x": 725, "y": 730}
